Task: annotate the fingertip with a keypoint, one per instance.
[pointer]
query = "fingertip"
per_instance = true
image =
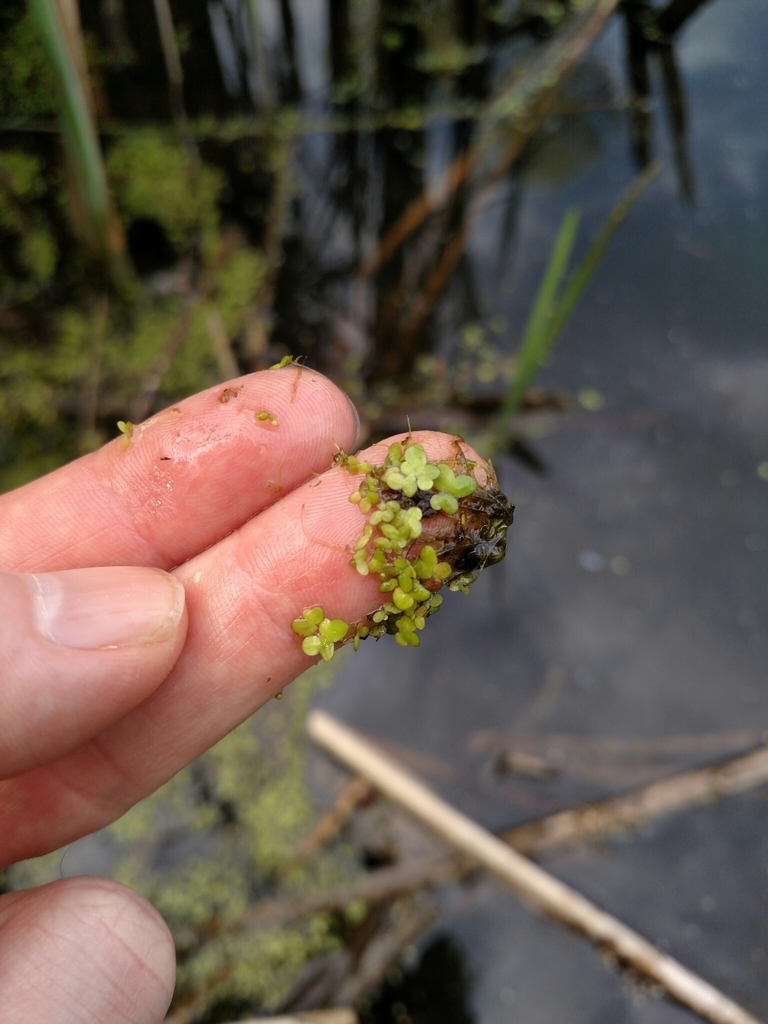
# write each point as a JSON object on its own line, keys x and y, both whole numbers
{"x": 194, "y": 473}
{"x": 181, "y": 480}
{"x": 84, "y": 949}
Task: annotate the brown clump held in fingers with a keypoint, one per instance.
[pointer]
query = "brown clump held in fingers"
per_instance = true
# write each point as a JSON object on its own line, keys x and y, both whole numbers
{"x": 426, "y": 527}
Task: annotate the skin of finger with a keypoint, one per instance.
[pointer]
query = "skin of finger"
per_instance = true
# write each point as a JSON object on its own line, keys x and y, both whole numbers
{"x": 53, "y": 698}
{"x": 242, "y": 596}
{"x": 83, "y": 951}
{"x": 189, "y": 476}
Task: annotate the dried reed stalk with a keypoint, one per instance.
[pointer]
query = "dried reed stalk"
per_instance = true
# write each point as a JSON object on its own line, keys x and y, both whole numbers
{"x": 531, "y": 883}
{"x": 340, "y": 1015}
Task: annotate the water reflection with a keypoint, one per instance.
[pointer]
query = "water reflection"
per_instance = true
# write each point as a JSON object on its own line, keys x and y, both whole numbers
{"x": 357, "y": 147}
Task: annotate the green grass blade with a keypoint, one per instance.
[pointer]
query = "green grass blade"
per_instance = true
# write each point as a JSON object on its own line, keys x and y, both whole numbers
{"x": 550, "y": 315}
{"x": 77, "y": 124}
{"x": 583, "y": 273}
{"x": 538, "y": 336}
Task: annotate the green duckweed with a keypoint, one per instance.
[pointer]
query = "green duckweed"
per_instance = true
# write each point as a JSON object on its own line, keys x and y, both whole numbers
{"x": 286, "y": 361}
{"x": 265, "y": 416}
{"x": 320, "y": 634}
{"x": 397, "y": 498}
{"x": 126, "y": 429}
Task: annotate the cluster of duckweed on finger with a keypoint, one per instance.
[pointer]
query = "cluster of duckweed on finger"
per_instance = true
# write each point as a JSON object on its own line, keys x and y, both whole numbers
{"x": 397, "y": 498}
{"x": 320, "y": 633}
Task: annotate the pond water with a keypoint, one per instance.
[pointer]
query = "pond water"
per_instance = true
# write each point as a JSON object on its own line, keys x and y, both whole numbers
{"x": 633, "y": 601}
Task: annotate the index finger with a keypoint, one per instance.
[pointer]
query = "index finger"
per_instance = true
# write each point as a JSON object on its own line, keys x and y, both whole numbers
{"x": 242, "y": 598}
{"x": 187, "y": 476}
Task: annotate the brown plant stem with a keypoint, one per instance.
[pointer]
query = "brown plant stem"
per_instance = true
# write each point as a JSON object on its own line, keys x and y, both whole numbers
{"x": 335, "y": 818}
{"x": 373, "y": 889}
{"x": 172, "y": 59}
{"x": 142, "y": 403}
{"x": 89, "y": 400}
{"x": 680, "y": 792}
{"x": 222, "y": 347}
{"x": 384, "y": 950}
{"x": 518, "y": 107}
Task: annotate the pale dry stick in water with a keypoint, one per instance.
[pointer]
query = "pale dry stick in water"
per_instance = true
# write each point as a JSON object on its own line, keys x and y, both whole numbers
{"x": 337, "y": 1015}
{"x": 340, "y": 1015}
{"x": 531, "y": 883}
{"x": 586, "y": 823}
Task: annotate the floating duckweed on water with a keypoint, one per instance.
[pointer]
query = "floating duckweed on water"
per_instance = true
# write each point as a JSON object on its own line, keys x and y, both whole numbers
{"x": 426, "y": 527}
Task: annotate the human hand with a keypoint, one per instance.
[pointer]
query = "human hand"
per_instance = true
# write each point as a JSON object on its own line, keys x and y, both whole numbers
{"x": 116, "y": 677}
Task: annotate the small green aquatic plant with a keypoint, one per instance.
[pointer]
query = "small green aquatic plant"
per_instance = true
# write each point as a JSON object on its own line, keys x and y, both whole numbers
{"x": 265, "y": 416}
{"x": 427, "y": 526}
{"x": 126, "y": 428}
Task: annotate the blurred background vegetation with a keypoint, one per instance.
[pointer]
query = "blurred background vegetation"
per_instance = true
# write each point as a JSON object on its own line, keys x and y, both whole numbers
{"x": 178, "y": 203}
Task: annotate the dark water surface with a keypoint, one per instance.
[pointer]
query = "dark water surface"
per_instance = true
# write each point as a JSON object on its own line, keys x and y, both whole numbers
{"x": 633, "y": 601}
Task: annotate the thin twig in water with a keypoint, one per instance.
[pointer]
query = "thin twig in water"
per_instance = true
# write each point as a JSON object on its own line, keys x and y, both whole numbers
{"x": 172, "y": 59}
{"x": 277, "y": 222}
{"x": 89, "y": 402}
{"x": 377, "y": 887}
{"x": 141, "y": 406}
{"x": 560, "y": 748}
{"x": 617, "y": 763}
{"x": 222, "y": 347}
{"x": 384, "y": 950}
{"x": 681, "y": 792}
{"x": 531, "y": 883}
{"x": 335, "y": 818}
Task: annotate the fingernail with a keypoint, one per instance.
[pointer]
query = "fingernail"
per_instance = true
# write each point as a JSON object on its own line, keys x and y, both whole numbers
{"x": 356, "y": 414}
{"x": 110, "y": 606}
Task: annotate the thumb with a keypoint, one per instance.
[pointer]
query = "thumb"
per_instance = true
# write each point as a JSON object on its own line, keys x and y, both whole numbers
{"x": 81, "y": 648}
